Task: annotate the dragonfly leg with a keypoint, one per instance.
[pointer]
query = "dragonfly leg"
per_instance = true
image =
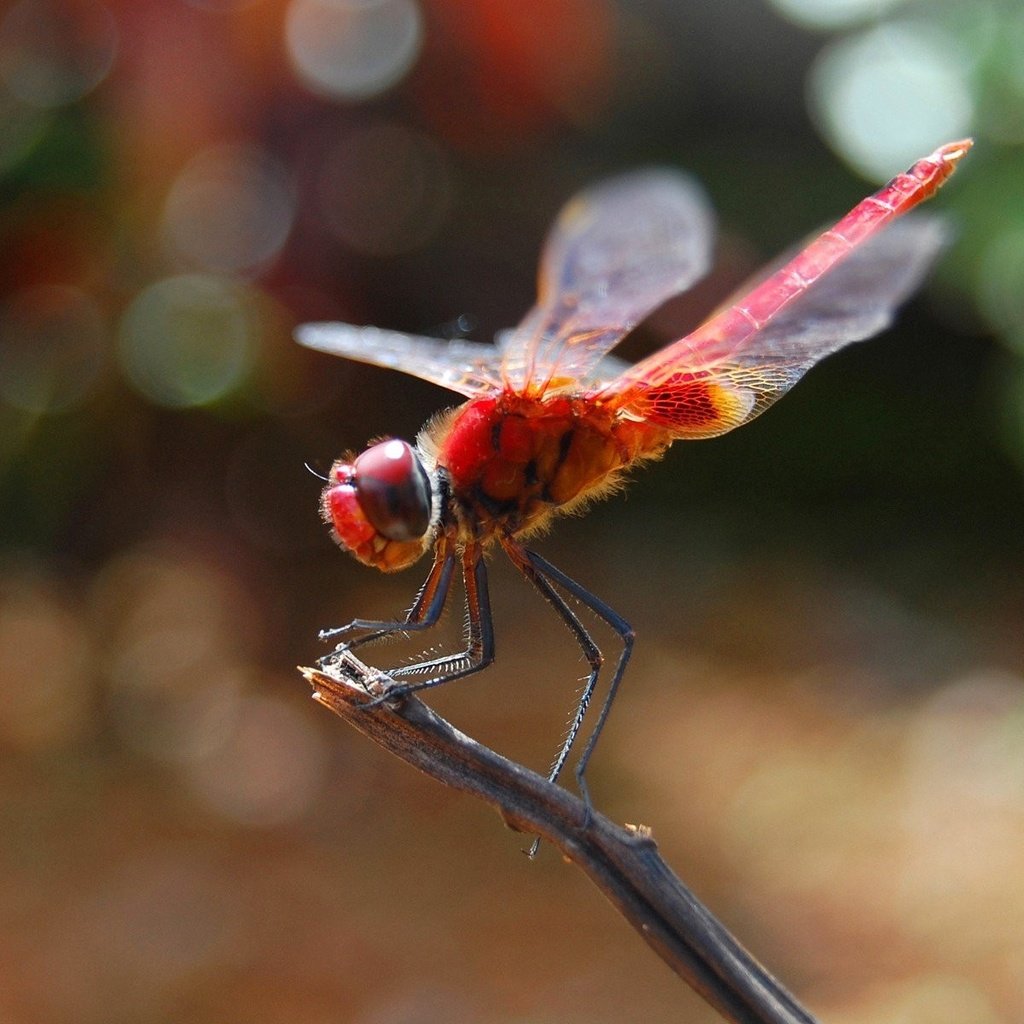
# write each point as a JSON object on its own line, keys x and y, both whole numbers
{"x": 479, "y": 650}
{"x": 423, "y": 614}
{"x": 551, "y": 575}
{"x": 523, "y": 561}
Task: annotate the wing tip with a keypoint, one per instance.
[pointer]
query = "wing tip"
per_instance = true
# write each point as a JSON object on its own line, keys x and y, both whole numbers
{"x": 326, "y": 335}
{"x": 307, "y": 334}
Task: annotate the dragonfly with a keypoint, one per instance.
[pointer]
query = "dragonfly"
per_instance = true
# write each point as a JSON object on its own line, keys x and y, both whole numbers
{"x": 552, "y": 421}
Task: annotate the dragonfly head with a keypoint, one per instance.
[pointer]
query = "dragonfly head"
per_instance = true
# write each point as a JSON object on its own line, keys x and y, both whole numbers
{"x": 380, "y": 505}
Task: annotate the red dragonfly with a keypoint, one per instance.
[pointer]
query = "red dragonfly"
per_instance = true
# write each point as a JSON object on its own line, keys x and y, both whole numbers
{"x": 553, "y": 422}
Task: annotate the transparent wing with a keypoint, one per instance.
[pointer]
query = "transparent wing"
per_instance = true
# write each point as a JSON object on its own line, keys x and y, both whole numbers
{"x": 739, "y": 330}
{"x": 851, "y": 302}
{"x": 464, "y": 366}
{"x": 616, "y": 252}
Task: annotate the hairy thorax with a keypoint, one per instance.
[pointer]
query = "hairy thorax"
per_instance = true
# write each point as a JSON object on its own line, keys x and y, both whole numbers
{"x": 515, "y": 461}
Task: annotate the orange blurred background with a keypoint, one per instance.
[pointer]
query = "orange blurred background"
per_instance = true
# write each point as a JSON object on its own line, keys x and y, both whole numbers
{"x": 824, "y": 721}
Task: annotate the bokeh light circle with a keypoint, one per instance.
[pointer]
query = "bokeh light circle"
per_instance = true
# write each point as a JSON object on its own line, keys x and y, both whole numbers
{"x": 385, "y": 190}
{"x": 268, "y": 770}
{"x": 47, "y": 663}
{"x": 54, "y": 52}
{"x": 176, "y": 683}
{"x": 832, "y": 14}
{"x": 887, "y": 95}
{"x": 53, "y": 340}
{"x": 188, "y": 340}
{"x": 999, "y": 284}
{"x": 230, "y": 209}
{"x": 353, "y": 49}
{"x": 22, "y": 126}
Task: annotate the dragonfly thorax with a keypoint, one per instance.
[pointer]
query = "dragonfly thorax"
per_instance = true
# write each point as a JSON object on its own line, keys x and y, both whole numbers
{"x": 512, "y": 461}
{"x": 381, "y": 505}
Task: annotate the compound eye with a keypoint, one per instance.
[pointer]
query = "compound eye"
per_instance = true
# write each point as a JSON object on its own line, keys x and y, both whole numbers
{"x": 393, "y": 490}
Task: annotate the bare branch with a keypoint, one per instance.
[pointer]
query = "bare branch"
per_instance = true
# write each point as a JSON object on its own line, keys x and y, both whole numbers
{"x": 623, "y": 863}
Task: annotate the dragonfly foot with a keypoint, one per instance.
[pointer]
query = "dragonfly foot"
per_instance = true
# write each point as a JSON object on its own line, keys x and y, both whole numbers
{"x": 333, "y": 658}
{"x": 333, "y": 631}
{"x": 588, "y": 806}
{"x": 588, "y": 818}
{"x": 393, "y": 695}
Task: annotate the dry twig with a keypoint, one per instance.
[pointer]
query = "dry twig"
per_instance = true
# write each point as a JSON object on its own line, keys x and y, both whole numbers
{"x": 624, "y": 864}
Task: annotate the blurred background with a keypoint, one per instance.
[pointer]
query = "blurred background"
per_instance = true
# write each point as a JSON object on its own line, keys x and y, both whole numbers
{"x": 824, "y": 721}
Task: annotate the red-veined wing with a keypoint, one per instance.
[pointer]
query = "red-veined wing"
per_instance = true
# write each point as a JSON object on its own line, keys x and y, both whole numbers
{"x": 736, "y": 327}
{"x": 616, "y": 252}
{"x": 749, "y": 354}
{"x": 851, "y": 302}
{"x": 463, "y": 366}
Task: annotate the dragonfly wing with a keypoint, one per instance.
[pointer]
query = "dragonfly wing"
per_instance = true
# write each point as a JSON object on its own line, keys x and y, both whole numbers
{"x": 853, "y": 301}
{"x": 738, "y": 328}
{"x": 463, "y": 366}
{"x": 616, "y": 252}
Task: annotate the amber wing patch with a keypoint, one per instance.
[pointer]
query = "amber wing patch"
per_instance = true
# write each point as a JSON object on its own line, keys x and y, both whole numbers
{"x": 694, "y": 405}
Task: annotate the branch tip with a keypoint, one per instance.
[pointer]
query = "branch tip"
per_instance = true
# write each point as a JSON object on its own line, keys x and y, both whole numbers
{"x": 623, "y": 862}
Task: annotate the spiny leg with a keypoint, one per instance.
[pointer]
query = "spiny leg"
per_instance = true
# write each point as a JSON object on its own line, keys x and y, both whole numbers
{"x": 479, "y": 651}
{"x": 523, "y": 560}
{"x": 626, "y": 635}
{"x": 425, "y": 610}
